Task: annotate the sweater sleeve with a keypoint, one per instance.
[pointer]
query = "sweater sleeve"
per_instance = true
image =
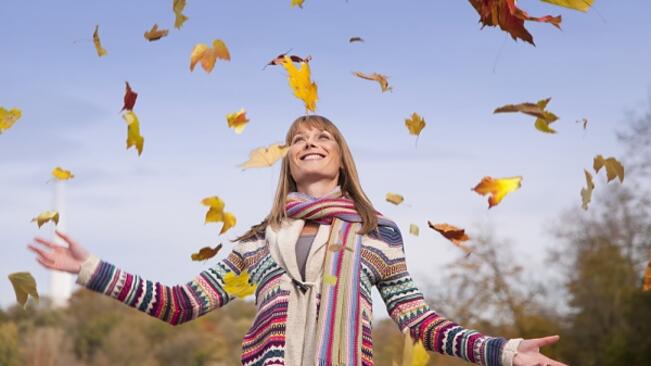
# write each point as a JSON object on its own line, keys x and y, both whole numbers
{"x": 407, "y": 307}
{"x": 172, "y": 304}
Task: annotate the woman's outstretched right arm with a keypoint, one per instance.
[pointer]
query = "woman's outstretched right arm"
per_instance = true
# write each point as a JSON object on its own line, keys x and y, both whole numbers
{"x": 172, "y": 304}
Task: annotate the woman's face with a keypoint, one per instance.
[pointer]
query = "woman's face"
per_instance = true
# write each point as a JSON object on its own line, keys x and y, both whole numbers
{"x": 314, "y": 156}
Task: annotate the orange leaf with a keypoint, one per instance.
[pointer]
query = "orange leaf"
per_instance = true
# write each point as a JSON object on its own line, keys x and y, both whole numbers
{"x": 381, "y": 79}
{"x": 263, "y": 157}
{"x": 454, "y": 234}
{"x": 206, "y": 253}
{"x": 394, "y": 198}
{"x": 237, "y": 121}
{"x": 498, "y": 188}
{"x": 208, "y": 56}
{"x": 154, "y": 34}
{"x": 647, "y": 276}
{"x": 510, "y": 18}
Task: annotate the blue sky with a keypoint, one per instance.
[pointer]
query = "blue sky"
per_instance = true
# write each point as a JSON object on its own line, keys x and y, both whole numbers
{"x": 143, "y": 213}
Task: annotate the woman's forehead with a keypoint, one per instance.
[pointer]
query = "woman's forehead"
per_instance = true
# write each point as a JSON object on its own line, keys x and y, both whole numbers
{"x": 307, "y": 128}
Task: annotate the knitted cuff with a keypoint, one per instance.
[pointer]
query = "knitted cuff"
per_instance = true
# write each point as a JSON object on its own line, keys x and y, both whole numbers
{"x": 88, "y": 267}
{"x": 510, "y": 350}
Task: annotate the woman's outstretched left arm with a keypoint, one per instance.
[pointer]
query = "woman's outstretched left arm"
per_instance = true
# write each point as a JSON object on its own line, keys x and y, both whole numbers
{"x": 407, "y": 307}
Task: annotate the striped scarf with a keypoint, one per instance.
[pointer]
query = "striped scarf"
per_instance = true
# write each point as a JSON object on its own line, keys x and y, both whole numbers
{"x": 339, "y": 333}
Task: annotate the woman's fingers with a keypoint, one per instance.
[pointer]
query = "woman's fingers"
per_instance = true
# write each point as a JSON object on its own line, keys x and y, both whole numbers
{"x": 546, "y": 341}
{"x": 42, "y": 256}
{"x": 45, "y": 263}
{"x": 66, "y": 238}
{"x": 45, "y": 242}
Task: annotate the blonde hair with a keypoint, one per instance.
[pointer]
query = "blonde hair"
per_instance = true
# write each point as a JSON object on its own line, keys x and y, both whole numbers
{"x": 348, "y": 181}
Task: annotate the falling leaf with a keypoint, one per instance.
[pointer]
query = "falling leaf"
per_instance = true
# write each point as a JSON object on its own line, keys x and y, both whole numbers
{"x": 454, "y": 234}
{"x": 154, "y": 34}
{"x": 238, "y": 285}
{"x": 614, "y": 169}
{"x": 414, "y": 229}
{"x": 237, "y": 121}
{"x": 133, "y": 131}
{"x": 216, "y": 213}
{"x": 329, "y": 279}
{"x": 413, "y": 354}
{"x": 24, "y": 285}
{"x": 263, "y": 157}
{"x": 510, "y": 18}
{"x": 46, "y": 216}
{"x": 61, "y": 174}
{"x": 208, "y": 56}
{"x": 129, "y": 98}
{"x": 647, "y": 276}
{"x": 580, "y": 5}
{"x": 206, "y": 253}
{"x": 394, "y": 198}
{"x": 381, "y": 79}
{"x": 301, "y": 83}
{"x": 280, "y": 59}
{"x": 543, "y": 118}
{"x": 178, "y": 7}
{"x": 584, "y": 121}
{"x": 415, "y": 124}
{"x": 8, "y": 118}
{"x": 586, "y": 193}
{"x": 98, "y": 45}
{"x": 355, "y": 39}
{"x": 298, "y": 3}
{"x": 498, "y": 188}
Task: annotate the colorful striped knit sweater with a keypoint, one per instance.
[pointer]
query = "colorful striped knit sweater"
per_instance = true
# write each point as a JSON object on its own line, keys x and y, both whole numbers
{"x": 279, "y": 304}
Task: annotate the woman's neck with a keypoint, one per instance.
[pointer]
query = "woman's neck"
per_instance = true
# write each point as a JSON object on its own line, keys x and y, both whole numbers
{"x": 317, "y": 189}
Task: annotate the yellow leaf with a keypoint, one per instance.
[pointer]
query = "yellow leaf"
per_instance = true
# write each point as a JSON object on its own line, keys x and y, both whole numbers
{"x": 415, "y": 124}
{"x": 208, "y": 56}
{"x": 24, "y": 284}
{"x": 419, "y": 356}
{"x": 543, "y": 118}
{"x": 580, "y": 5}
{"x": 133, "y": 131}
{"x": 238, "y": 286}
{"x": 265, "y": 156}
{"x": 8, "y": 118}
{"x": 206, "y": 253}
{"x": 298, "y": 3}
{"x": 154, "y": 34}
{"x": 498, "y": 188}
{"x": 178, "y": 7}
{"x": 614, "y": 169}
{"x": 46, "y": 216}
{"x": 98, "y": 45}
{"x": 381, "y": 79}
{"x": 62, "y": 174}
{"x": 300, "y": 82}
{"x": 237, "y": 121}
{"x": 394, "y": 198}
{"x": 329, "y": 279}
{"x": 586, "y": 193}
{"x": 216, "y": 213}
{"x": 414, "y": 229}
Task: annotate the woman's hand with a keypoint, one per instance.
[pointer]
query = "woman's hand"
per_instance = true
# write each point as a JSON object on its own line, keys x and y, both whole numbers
{"x": 54, "y": 256}
{"x": 529, "y": 352}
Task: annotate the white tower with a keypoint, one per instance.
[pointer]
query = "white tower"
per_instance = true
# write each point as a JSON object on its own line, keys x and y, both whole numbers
{"x": 60, "y": 282}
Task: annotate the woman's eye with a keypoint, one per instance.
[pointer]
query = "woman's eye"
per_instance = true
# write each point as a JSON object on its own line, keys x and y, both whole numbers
{"x": 324, "y": 137}
{"x": 297, "y": 139}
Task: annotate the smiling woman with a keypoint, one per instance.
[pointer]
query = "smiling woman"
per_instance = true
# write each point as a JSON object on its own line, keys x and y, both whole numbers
{"x": 314, "y": 261}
